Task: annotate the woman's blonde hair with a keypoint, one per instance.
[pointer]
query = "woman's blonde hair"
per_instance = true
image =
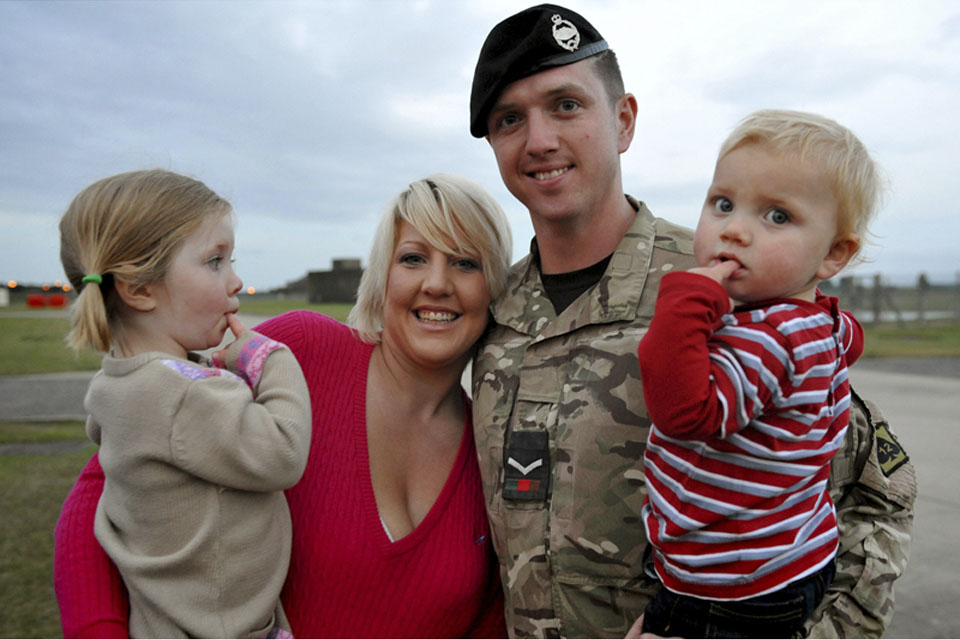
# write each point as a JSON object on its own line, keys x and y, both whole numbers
{"x": 126, "y": 227}
{"x": 455, "y": 215}
{"x": 840, "y": 156}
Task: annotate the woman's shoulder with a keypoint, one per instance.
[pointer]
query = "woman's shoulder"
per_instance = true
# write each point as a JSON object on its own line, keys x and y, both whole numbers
{"x": 295, "y": 326}
{"x": 311, "y": 335}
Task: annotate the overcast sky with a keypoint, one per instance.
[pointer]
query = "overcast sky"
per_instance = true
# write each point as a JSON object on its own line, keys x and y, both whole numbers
{"x": 310, "y": 116}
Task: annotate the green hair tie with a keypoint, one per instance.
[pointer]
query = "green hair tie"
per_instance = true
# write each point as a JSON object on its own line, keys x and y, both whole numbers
{"x": 93, "y": 277}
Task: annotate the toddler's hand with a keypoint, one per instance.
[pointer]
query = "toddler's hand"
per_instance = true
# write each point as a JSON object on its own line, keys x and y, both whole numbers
{"x": 719, "y": 271}
{"x": 236, "y": 328}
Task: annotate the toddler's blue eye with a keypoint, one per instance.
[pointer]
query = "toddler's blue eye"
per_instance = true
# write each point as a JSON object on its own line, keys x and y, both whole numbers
{"x": 777, "y": 216}
{"x": 724, "y": 205}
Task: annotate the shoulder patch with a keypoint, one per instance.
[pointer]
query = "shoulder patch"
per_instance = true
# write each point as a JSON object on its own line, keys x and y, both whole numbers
{"x": 890, "y": 454}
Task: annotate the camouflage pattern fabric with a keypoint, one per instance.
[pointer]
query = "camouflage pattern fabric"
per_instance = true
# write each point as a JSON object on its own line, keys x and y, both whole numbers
{"x": 561, "y": 426}
{"x": 874, "y": 486}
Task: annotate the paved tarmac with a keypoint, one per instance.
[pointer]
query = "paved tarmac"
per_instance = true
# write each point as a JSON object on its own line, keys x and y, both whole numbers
{"x": 920, "y": 397}
{"x": 924, "y": 411}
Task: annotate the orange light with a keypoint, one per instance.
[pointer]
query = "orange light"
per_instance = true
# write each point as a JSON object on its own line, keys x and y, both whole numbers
{"x": 66, "y": 288}
{"x": 45, "y": 287}
{"x": 12, "y": 284}
{"x": 251, "y": 290}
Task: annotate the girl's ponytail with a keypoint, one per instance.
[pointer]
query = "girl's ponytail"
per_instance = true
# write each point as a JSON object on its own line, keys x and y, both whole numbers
{"x": 88, "y": 317}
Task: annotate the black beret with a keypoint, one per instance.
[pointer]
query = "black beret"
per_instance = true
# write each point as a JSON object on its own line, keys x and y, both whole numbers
{"x": 535, "y": 39}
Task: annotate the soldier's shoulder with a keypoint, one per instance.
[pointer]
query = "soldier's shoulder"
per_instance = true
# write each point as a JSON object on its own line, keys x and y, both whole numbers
{"x": 873, "y": 457}
{"x": 889, "y": 467}
{"x": 667, "y": 236}
{"x": 673, "y": 237}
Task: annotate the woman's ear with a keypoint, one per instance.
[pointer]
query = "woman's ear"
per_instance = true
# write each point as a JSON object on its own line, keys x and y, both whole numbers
{"x": 839, "y": 255}
{"x": 139, "y": 297}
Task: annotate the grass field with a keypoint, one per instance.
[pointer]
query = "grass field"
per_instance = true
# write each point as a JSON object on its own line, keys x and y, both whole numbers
{"x": 34, "y": 487}
{"x": 37, "y": 345}
{"x": 35, "y": 342}
{"x": 928, "y": 340}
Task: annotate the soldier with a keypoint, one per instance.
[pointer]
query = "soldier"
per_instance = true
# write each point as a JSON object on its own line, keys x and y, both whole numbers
{"x": 559, "y": 416}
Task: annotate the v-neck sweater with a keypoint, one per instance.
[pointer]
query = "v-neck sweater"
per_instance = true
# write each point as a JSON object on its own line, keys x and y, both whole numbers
{"x": 346, "y": 579}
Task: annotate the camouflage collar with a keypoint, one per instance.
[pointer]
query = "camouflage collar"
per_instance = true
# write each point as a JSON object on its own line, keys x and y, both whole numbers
{"x": 525, "y": 307}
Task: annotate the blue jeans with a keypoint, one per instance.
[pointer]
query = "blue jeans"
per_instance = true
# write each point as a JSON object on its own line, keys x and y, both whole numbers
{"x": 775, "y": 615}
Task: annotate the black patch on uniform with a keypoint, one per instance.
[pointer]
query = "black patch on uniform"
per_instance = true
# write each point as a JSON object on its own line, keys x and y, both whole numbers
{"x": 526, "y": 466}
{"x": 890, "y": 454}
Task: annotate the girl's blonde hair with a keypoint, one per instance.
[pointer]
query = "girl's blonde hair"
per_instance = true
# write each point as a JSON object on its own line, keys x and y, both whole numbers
{"x": 126, "y": 227}
{"x": 455, "y": 215}
{"x": 840, "y": 156}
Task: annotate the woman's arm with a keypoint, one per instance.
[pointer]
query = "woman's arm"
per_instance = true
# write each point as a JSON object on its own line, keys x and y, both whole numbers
{"x": 90, "y": 592}
{"x": 491, "y": 622}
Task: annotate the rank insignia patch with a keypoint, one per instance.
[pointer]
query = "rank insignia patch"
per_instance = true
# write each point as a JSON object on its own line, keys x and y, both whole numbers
{"x": 526, "y": 468}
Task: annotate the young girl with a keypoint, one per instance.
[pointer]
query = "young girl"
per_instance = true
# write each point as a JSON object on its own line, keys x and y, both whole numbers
{"x": 195, "y": 455}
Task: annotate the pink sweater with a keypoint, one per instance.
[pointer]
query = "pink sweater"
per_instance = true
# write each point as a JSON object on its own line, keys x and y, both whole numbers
{"x": 346, "y": 578}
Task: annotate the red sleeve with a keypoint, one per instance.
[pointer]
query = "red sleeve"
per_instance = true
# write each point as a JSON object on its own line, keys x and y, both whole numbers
{"x": 678, "y": 389}
{"x": 90, "y": 592}
{"x": 851, "y": 333}
{"x": 853, "y": 342}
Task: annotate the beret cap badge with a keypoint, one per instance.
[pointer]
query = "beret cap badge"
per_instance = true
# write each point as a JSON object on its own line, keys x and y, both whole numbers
{"x": 565, "y": 33}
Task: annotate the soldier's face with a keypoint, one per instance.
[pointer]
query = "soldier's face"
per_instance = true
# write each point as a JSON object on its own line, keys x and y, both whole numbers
{"x": 557, "y": 140}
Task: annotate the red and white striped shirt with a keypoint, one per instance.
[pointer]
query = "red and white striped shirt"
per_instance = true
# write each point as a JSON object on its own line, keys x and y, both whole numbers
{"x": 748, "y": 409}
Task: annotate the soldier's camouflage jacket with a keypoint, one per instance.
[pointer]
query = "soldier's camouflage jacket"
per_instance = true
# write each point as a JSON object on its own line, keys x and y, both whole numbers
{"x": 561, "y": 426}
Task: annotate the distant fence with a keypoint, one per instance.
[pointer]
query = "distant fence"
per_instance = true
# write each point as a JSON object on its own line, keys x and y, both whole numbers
{"x": 873, "y": 300}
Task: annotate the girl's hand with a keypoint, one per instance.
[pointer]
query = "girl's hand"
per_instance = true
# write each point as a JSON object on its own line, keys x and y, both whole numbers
{"x": 236, "y": 328}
